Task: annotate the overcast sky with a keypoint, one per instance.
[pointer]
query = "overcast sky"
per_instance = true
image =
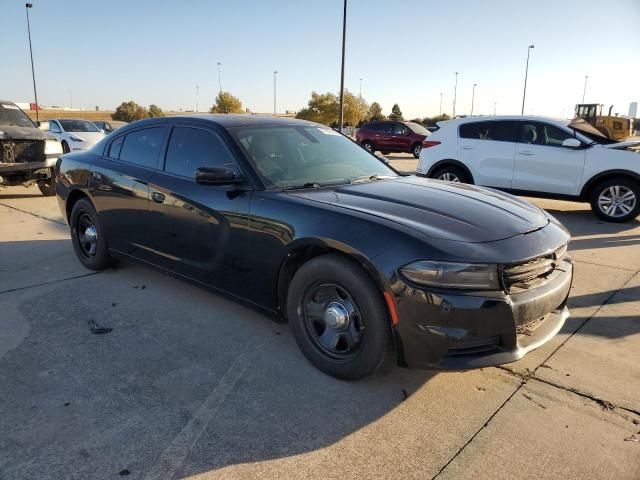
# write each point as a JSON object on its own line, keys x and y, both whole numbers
{"x": 406, "y": 52}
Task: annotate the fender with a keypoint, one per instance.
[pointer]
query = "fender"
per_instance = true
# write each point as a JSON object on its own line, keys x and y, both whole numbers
{"x": 450, "y": 161}
{"x": 584, "y": 193}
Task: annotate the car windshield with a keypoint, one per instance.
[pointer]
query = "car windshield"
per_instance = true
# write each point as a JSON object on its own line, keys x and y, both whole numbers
{"x": 417, "y": 128}
{"x": 11, "y": 115}
{"x": 307, "y": 156}
{"x": 78, "y": 126}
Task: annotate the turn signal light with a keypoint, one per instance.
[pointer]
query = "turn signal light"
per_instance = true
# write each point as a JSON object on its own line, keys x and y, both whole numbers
{"x": 429, "y": 143}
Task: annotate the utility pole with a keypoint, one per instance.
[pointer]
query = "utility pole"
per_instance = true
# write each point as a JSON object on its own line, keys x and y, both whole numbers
{"x": 440, "y": 103}
{"x": 455, "y": 95}
{"x": 526, "y": 73}
{"x": 275, "y": 73}
{"x": 473, "y": 95}
{"x": 586, "y": 77}
{"x": 33, "y": 74}
{"x": 219, "y": 77}
{"x": 344, "y": 38}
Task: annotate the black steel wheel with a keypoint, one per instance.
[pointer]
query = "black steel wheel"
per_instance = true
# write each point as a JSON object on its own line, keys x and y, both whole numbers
{"x": 87, "y": 236}
{"x": 47, "y": 187}
{"x": 338, "y": 317}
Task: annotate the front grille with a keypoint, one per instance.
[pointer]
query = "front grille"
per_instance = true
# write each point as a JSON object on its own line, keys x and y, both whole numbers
{"x": 474, "y": 346}
{"x": 21, "y": 151}
{"x": 532, "y": 273}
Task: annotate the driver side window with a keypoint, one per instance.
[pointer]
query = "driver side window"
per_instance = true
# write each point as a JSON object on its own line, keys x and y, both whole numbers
{"x": 399, "y": 129}
{"x": 55, "y": 128}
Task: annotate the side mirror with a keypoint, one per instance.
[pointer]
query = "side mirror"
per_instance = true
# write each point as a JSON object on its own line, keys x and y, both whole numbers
{"x": 217, "y": 176}
{"x": 44, "y": 126}
{"x": 383, "y": 158}
{"x": 572, "y": 143}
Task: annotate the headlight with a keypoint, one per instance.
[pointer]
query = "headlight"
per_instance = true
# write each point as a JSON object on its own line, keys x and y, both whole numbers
{"x": 76, "y": 139}
{"x": 52, "y": 147}
{"x": 479, "y": 276}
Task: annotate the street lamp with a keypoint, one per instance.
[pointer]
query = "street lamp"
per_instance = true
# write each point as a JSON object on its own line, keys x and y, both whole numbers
{"x": 344, "y": 37}
{"x": 275, "y": 73}
{"x": 586, "y": 77}
{"x": 473, "y": 95}
{"x": 440, "y": 103}
{"x": 33, "y": 74}
{"x": 455, "y": 95}
{"x": 526, "y": 73}
{"x": 219, "y": 77}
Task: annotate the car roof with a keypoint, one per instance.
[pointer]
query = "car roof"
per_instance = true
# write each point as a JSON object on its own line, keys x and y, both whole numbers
{"x": 488, "y": 118}
{"x": 228, "y": 120}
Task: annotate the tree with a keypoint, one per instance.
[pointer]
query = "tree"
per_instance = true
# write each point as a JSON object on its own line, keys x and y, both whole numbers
{"x": 431, "y": 121}
{"x": 396, "y": 113}
{"x": 155, "y": 111}
{"x": 130, "y": 112}
{"x": 322, "y": 108}
{"x": 375, "y": 113}
{"x": 416, "y": 120}
{"x": 227, "y": 103}
{"x": 355, "y": 108}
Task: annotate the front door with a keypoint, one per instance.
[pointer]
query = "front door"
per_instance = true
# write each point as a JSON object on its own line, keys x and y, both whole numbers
{"x": 198, "y": 230}
{"x": 400, "y": 137}
{"x": 542, "y": 164}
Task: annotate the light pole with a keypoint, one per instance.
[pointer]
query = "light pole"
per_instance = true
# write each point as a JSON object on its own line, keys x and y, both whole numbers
{"x": 33, "y": 74}
{"x": 494, "y": 108}
{"x": 440, "y": 103}
{"x": 219, "y": 77}
{"x": 455, "y": 95}
{"x": 586, "y": 77}
{"x": 526, "y": 73}
{"x": 197, "y": 95}
{"x": 360, "y": 88}
{"x": 473, "y": 96}
{"x": 275, "y": 73}
{"x": 344, "y": 38}
{"x": 70, "y": 101}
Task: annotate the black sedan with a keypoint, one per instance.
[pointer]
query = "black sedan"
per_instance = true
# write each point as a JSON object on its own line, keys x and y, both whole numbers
{"x": 297, "y": 220}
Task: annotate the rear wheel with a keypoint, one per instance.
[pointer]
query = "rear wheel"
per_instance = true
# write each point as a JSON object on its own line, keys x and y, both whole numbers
{"x": 87, "y": 236}
{"x": 338, "y": 317}
{"x": 416, "y": 149}
{"x": 368, "y": 146}
{"x": 616, "y": 200}
{"x": 47, "y": 187}
{"x": 451, "y": 173}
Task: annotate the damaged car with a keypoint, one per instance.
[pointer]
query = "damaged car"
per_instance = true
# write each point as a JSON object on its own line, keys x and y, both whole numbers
{"x": 27, "y": 154}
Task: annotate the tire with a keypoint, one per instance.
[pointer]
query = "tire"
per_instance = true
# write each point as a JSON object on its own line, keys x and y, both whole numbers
{"x": 451, "y": 173}
{"x": 65, "y": 147}
{"x": 368, "y": 146}
{"x": 90, "y": 246}
{"x": 330, "y": 288}
{"x": 416, "y": 149}
{"x": 616, "y": 200}
{"x": 48, "y": 187}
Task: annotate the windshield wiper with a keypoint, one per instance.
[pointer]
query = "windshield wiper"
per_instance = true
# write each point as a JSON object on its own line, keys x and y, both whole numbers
{"x": 368, "y": 178}
{"x": 301, "y": 187}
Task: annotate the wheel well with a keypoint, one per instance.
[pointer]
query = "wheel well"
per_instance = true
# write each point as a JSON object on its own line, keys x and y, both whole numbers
{"x": 587, "y": 190}
{"x": 450, "y": 162}
{"x": 73, "y": 197}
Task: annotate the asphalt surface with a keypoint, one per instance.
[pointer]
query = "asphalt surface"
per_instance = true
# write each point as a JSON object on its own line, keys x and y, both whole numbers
{"x": 190, "y": 384}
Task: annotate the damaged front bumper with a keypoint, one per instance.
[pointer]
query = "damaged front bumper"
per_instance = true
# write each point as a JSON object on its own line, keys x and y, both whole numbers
{"x": 456, "y": 330}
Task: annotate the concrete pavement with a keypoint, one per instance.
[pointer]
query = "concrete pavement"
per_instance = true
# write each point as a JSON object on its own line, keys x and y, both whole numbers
{"x": 190, "y": 384}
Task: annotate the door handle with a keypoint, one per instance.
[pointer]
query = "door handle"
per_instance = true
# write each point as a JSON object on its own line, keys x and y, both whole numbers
{"x": 157, "y": 197}
{"x": 526, "y": 152}
{"x": 467, "y": 147}
{"x": 97, "y": 176}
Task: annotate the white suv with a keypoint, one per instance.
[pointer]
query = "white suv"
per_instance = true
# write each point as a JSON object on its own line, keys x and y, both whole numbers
{"x": 538, "y": 156}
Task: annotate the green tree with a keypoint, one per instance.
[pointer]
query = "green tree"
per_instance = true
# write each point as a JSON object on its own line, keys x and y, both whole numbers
{"x": 355, "y": 108}
{"x": 322, "y": 108}
{"x": 226, "y": 103}
{"x": 155, "y": 111}
{"x": 431, "y": 121}
{"x": 375, "y": 113}
{"x": 416, "y": 120}
{"x": 130, "y": 112}
{"x": 396, "y": 113}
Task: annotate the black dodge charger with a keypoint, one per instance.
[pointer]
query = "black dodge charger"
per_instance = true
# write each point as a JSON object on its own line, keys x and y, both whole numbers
{"x": 296, "y": 219}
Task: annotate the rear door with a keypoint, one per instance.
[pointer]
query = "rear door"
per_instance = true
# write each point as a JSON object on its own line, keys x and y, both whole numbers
{"x": 487, "y": 148}
{"x": 119, "y": 187}
{"x": 542, "y": 164}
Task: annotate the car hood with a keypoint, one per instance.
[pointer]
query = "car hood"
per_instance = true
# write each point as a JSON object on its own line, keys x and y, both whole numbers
{"x": 89, "y": 137}
{"x": 12, "y": 132}
{"x": 448, "y": 211}
{"x": 622, "y": 145}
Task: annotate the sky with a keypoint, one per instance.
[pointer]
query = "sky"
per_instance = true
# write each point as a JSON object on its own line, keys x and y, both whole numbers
{"x": 405, "y": 51}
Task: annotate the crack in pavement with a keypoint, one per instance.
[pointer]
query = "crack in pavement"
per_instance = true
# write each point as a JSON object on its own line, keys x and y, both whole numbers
{"x": 31, "y": 213}
{"x": 26, "y": 287}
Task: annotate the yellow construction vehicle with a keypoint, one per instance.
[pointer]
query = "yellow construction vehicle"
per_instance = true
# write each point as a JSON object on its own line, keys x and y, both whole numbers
{"x": 612, "y": 126}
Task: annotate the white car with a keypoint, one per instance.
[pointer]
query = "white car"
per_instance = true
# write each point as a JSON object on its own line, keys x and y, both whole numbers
{"x": 538, "y": 156}
{"x": 74, "y": 134}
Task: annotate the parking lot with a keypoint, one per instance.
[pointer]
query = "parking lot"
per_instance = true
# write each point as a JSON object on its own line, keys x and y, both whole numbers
{"x": 190, "y": 384}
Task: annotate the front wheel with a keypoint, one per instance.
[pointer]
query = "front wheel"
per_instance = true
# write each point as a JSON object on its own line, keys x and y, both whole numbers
{"x": 88, "y": 238}
{"x": 338, "y": 317}
{"x": 47, "y": 187}
{"x": 616, "y": 200}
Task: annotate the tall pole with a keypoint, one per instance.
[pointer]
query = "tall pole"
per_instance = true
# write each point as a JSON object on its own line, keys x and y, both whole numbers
{"x": 275, "y": 73}
{"x": 586, "y": 77}
{"x": 344, "y": 37}
{"x": 455, "y": 94}
{"x": 526, "y": 74}
{"x": 33, "y": 73}
{"x": 440, "y": 103}
{"x": 219, "y": 77}
{"x": 473, "y": 96}
{"x": 360, "y": 95}
{"x": 197, "y": 97}
{"x": 494, "y": 108}
{"x": 70, "y": 101}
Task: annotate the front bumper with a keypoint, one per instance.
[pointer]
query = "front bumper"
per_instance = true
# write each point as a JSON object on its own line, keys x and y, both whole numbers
{"x": 456, "y": 330}
{"x": 17, "y": 167}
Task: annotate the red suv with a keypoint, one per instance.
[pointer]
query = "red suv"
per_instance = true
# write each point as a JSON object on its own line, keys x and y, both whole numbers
{"x": 391, "y": 136}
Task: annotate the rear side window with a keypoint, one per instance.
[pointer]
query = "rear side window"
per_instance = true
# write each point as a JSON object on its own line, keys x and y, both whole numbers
{"x": 192, "y": 148}
{"x": 142, "y": 147}
{"x": 115, "y": 147}
{"x": 501, "y": 131}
